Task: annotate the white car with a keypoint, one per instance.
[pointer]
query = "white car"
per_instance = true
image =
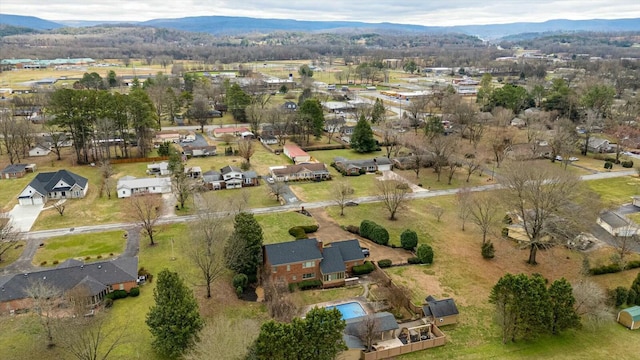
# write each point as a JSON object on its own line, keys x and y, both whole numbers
{"x": 270, "y": 180}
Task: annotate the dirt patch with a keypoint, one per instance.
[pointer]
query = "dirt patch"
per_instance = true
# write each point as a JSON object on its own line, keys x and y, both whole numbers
{"x": 329, "y": 231}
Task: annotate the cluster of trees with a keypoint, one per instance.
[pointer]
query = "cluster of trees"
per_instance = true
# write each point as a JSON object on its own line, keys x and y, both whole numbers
{"x": 243, "y": 252}
{"x": 526, "y": 308}
{"x": 630, "y": 296}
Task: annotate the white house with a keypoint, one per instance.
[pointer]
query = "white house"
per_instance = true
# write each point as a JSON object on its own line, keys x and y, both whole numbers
{"x": 129, "y": 185}
{"x": 232, "y": 177}
{"x": 269, "y": 140}
{"x": 616, "y": 224}
{"x": 39, "y": 150}
{"x": 161, "y": 168}
{"x": 62, "y": 184}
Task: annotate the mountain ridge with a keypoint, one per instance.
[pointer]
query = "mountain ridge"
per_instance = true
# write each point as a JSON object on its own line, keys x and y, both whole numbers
{"x": 218, "y": 25}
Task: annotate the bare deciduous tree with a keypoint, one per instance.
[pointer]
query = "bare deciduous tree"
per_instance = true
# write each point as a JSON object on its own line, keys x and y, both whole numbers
{"x": 279, "y": 303}
{"x": 437, "y": 211}
{"x": 342, "y": 193}
{"x": 45, "y": 299}
{"x": 246, "y": 149}
{"x": 227, "y": 338}
{"x": 145, "y": 209}
{"x": 463, "y": 199}
{"x": 390, "y": 139}
{"x": 553, "y": 204}
{"x": 182, "y": 186}
{"x": 277, "y": 190}
{"x": 393, "y": 194}
{"x": 484, "y": 213}
{"x": 625, "y": 241}
{"x": 8, "y": 234}
{"x": 60, "y": 206}
{"x": 368, "y": 331}
{"x": 471, "y": 165}
{"x": 591, "y": 303}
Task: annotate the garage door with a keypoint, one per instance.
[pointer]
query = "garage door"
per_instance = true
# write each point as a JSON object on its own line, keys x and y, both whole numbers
{"x": 25, "y": 201}
{"x": 37, "y": 201}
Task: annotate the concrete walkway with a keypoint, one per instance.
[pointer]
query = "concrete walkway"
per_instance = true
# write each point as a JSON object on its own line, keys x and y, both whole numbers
{"x": 23, "y": 216}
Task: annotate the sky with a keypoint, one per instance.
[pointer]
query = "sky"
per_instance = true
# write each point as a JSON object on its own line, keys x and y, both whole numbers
{"x": 420, "y": 12}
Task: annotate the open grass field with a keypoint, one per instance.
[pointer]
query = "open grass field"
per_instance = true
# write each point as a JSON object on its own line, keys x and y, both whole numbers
{"x": 616, "y": 191}
{"x": 275, "y": 227}
{"x": 80, "y": 246}
{"x": 12, "y": 254}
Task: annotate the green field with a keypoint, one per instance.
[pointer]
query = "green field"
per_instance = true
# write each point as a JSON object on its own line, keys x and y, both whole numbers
{"x": 616, "y": 191}
{"x": 275, "y": 227}
{"x": 80, "y": 246}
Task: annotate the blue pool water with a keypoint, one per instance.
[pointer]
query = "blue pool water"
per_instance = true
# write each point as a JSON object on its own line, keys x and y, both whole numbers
{"x": 349, "y": 310}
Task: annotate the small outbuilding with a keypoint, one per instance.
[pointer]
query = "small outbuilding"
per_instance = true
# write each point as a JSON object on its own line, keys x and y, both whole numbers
{"x": 630, "y": 317}
{"x": 440, "y": 312}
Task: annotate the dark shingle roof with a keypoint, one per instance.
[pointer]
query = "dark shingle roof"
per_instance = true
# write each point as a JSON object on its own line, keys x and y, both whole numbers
{"x": 332, "y": 261}
{"x": 227, "y": 169}
{"x": 293, "y": 251}
{"x": 349, "y": 249}
{"x": 97, "y": 276}
{"x": 385, "y": 321}
{"x": 45, "y": 182}
{"x": 352, "y": 342}
{"x": 613, "y": 219}
{"x": 14, "y": 168}
{"x": 440, "y": 308}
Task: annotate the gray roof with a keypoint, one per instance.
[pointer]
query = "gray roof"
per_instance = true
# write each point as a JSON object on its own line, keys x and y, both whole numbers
{"x": 349, "y": 249}
{"x": 293, "y": 251}
{"x": 211, "y": 175}
{"x": 614, "y": 219}
{"x": 14, "y": 168}
{"x": 385, "y": 321}
{"x": 227, "y": 169}
{"x": 363, "y": 162}
{"x": 352, "y": 342}
{"x": 332, "y": 261}
{"x": 250, "y": 175}
{"x": 46, "y": 182}
{"x": 440, "y": 308}
{"x": 96, "y": 276}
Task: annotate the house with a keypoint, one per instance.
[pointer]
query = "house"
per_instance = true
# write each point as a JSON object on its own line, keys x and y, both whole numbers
{"x": 96, "y": 278}
{"x": 347, "y": 130}
{"x": 161, "y": 168}
{"x": 599, "y": 145}
{"x": 616, "y": 224}
{"x": 213, "y": 179}
{"x": 129, "y": 186}
{"x": 15, "y": 171}
{"x": 190, "y": 137}
{"x": 170, "y": 136}
{"x": 355, "y": 167}
{"x": 197, "y": 151}
{"x": 309, "y": 171}
{"x": 630, "y": 317}
{"x": 268, "y": 140}
{"x": 249, "y": 178}
{"x": 62, "y": 184}
{"x": 440, "y": 312}
{"x": 247, "y": 135}
{"x": 307, "y": 259}
{"x": 290, "y": 106}
{"x": 295, "y": 153}
{"x": 62, "y": 140}
{"x": 528, "y": 151}
{"x": 235, "y": 131}
{"x": 334, "y": 125}
{"x": 232, "y": 177}
{"x": 193, "y": 172}
{"x": 39, "y": 150}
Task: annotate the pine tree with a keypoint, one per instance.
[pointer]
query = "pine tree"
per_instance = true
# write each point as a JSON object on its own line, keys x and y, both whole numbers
{"x": 174, "y": 320}
{"x": 243, "y": 253}
{"x": 378, "y": 112}
{"x": 362, "y": 139}
{"x": 564, "y": 315}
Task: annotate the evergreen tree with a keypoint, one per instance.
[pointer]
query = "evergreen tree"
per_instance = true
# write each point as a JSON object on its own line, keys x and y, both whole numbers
{"x": 312, "y": 117}
{"x": 425, "y": 254}
{"x": 378, "y": 112}
{"x": 362, "y": 139}
{"x": 409, "y": 239}
{"x": 243, "y": 253}
{"x": 563, "y": 313}
{"x": 174, "y": 320}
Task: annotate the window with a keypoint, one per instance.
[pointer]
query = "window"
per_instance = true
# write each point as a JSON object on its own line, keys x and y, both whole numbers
{"x": 294, "y": 278}
{"x": 121, "y": 286}
{"x": 334, "y": 276}
{"x": 288, "y": 267}
{"x": 308, "y": 264}
{"x": 308, "y": 276}
{"x": 274, "y": 269}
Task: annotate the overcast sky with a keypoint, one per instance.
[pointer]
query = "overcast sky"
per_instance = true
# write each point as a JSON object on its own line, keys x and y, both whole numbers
{"x": 421, "y": 12}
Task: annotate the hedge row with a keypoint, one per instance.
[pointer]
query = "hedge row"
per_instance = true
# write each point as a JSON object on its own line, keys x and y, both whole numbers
{"x": 306, "y": 284}
{"x": 374, "y": 232}
{"x": 384, "y": 263}
{"x": 300, "y": 232}
{"x": 365, "y": 268}
{"x": 614, "y": 268}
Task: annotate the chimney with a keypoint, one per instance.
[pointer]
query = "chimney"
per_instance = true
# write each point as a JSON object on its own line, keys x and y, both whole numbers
{"x": 319, "y": 244}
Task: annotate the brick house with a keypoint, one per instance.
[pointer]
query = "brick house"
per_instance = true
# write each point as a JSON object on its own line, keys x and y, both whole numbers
{"x": 97, "y": 279}
{"x": 307, "y": 259}
{"x": 15, "y": 171}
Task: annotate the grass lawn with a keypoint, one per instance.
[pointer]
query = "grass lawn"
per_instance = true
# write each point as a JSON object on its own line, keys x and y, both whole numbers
{"x": 428, "y": 179}
{"x": 363, "y": 185}
{"x": 12, "y": 254}
{"x": 11, "y": 188}
{"x": 257, "y": 196}
{"x": 616, "y": 191}
{"x": 310, "y": 297}
{"x": 80, "y": 246}
{"x": 275, "y": 227}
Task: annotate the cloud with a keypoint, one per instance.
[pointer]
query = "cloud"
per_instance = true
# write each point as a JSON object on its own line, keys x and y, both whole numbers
{"x": 452, "y": 12}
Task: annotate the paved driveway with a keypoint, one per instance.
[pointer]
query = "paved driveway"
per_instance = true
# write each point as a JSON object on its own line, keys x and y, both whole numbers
{"x": 23, "y": 216}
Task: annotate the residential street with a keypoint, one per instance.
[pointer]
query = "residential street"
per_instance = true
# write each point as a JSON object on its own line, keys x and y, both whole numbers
{"x": 23, "y": 264}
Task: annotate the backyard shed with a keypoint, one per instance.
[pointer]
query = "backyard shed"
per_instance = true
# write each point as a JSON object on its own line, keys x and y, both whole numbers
{"x": 630, "y": 317}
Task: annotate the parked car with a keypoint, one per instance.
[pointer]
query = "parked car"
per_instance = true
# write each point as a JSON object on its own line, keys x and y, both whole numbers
{"x": 270, "y": 180}
{"x": 365, "y": 251}
{"x": 351, "y": 203}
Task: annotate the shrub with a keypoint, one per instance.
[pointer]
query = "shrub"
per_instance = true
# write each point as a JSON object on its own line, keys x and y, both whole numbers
{"x": 309, "y": 284}
{"x": 55, "y": 262}
{"x": 425, "y": 254}
{"x": 108, "y": 302}
{"x": 99, "y": 257}
{"x": 240, "y": 280}
{"x": 134, "y": 292}
{"x": 488, "y": 251}
{"x": 385, "y": 263}
{"x": 619, "y": 295}
{"x": 119, "y": 294}
{"x": 505, "y": 232}
{"x": 608, "y": 165}
{"x": 309, "y": 228}
{"x": 298, "y": 232}
{"x": 507, "y": 220}
{"x": 239, "y": 291}
{"x": 43, "y": 263}
{"x": 87, "y": 257}
{"x": 409, "y": 239}
{"x": 632, "y": 265}
{"x": 374, "y": 232}
{"x": 605, "y": 269}
{"x": 627, "y": 164}
{"x": 354, "y": 229}
{"x": 413, "y": 260}
{"x": 632, "y": 297}
{"x": 365, "y": 268}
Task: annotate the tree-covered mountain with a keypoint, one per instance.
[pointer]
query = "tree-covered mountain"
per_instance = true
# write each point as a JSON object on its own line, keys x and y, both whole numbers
{"x": 232, "y": 25}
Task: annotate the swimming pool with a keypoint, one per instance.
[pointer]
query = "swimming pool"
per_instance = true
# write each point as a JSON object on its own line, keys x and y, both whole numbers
{"x": 349, "y": 310}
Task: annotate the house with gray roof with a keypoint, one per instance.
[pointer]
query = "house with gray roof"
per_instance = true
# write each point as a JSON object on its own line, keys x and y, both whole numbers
{"x": 307, "y": 259}
{"x": 128, "y": 186}
{"x": 62, "y": 184}
{"x": 440, "y": 312}
{"x": 599, "y": 145}
{"x": 95, "y": 279}
{"x": 357, "y": 167}
{"x": 15, "y": 171}
{"x": 617, "y": 224}
{"x": 306, "y": 171}
{"x": 230, "y": 177}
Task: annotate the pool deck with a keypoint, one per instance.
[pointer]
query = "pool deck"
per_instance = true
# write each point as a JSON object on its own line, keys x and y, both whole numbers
{"x": 360, "y": 300}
